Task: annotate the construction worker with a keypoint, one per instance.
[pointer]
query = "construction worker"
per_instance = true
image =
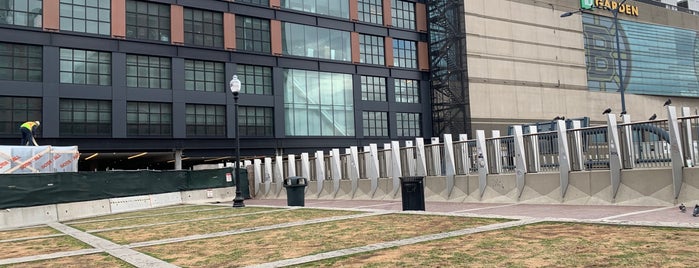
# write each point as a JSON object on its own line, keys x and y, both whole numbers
{"x": 28, "y": 129}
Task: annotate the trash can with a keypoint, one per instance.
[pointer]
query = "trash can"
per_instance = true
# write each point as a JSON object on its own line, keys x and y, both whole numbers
{"x": 295, "y": 191}
{"x": 412, "y": 190}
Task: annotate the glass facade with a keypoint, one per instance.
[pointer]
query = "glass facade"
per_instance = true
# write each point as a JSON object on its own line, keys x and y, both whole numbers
{"x": 407, "y": 91}
{"x": 370, "y": 11}
{"x": 318, "y": 103}
{"x": 371, "y": 49}
{"x": 86, "y": 16}
{"x": 16, "y": 110}
{"x": 202, "y": 75}
{"x": 334, "y": 8}
{"x": 86, "y": 67}
{"x": 20, "y": 62}
{"x": 148, "y": 71}
{"x": 147, "y": 20}
{"x": 204, "y": 120}
{"x": 315, "y": 42}
{"x": 408, "y": 125}
{"x": 655, "y": 59}
{"x": 148, "y": 119}
{"x": 256, "y": 121}
{"x": 22, "y": 13}
{"x": 373, "y": 88}
{"x": 252, "y": 34}
{"x": 255, "y": 79}
{"x": 403, "y": 14}
{"x": 203, "y": 28}
{"x": 85, "y": 117}
{"x": 375, "y": 124}
{"x": 404, "y": 53}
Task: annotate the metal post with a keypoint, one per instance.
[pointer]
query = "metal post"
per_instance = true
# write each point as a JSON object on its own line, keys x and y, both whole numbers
{"x": 235, "y": 89}
{"x": 238, "y": 200}
{"x": 615, "y": 12}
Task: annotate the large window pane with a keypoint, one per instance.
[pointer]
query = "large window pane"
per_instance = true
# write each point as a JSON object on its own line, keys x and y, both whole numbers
{"x": 86, "y": 16}
{"x": 330, "y": 114}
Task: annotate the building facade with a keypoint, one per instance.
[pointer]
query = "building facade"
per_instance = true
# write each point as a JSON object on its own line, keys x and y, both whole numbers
{"x": 525, "y": 63}
{"x": 122, "y": 77}
{"x": 119, "y": 77}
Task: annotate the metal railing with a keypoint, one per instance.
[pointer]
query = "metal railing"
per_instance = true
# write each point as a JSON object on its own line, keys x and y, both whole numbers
{"x": 645, "y": 144}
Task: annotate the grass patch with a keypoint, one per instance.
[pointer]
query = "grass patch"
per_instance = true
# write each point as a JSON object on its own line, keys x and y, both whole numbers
{"x": 142, "y": 234}
{"x": 149, "y": 212}
{"x": 162, "y": 218}
{"x": 102, "y": 260}
{"x": 40, "y": 246}
{"x": 542, "y": 245}
{"x": 27, "y": 232}
{"x": 272, "y": 245}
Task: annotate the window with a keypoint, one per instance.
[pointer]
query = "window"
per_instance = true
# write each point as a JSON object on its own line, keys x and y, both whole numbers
{"x": 20, "y": 62}
{"x": 85, "y": 117}
{"x": 86, "y": 16}
{"x": 256, "y": 121}
{"x": 148, "y": 119}
{"x": 318, "y": 103}
{"x": 655, "y": 59}
{"x": 370, "y": 11}
{"x": 255, "y": 79}
{"x": 22, "y": 13}
{"x": 404, "y": 54}
{"x": 86, "y": 67}
{"x": 335, "y": 8}
{"x": 252, "y": 34}
{"x": 407, "y": 91}
{"x": 255, "y": 2}
{"x": 16, "y": 110}
{"x": 148, "y": 71}
{"x": 403, "y": 14}
{"x": 205, "y": 120}
{"x": 315, "y": 42}
{"x": 203, "y": 28}
{"x": 373, "y": 88}
{"x": 408, "y": 125}
{"x": 375, "y": 124}
{"x": 371, "y": 49}
{"x": 202, "y": 75}
{"x": 147, "y": 20}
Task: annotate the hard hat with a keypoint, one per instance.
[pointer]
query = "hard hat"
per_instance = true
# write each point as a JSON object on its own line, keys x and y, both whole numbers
{"x": 37, "y": 123}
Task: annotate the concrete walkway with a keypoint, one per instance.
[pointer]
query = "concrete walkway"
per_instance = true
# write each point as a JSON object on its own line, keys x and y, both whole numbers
{"x": 522, "y": 214}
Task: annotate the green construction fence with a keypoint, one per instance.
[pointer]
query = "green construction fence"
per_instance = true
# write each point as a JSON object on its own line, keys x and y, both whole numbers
{"x": 25, "y": 190}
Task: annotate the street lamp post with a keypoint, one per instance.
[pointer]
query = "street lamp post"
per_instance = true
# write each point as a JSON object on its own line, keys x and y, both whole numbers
{"x": 615, "y": 15}
{"x": 238, "y": 201}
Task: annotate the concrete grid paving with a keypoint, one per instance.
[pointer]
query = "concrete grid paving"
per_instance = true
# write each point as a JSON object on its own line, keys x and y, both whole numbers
{"x": 521, "y": 214}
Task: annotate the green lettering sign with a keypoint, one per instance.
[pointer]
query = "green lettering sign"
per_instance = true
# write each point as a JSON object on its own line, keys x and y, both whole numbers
{"x": 587, "y": 4}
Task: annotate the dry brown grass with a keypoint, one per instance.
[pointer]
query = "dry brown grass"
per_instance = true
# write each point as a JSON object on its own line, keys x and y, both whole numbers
{"x": 101, "y": 260}
{"x": 273, "y": 245}
{"x": 542, "y": 245}
{"x": 40, "y": 246}
{"x": 27, "y": 232}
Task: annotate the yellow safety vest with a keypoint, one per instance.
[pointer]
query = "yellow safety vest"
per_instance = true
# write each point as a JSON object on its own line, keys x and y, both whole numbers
{"x": 28, "y": 125}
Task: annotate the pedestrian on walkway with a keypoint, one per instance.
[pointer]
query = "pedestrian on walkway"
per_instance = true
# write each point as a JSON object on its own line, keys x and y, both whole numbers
{"x": 28, "y": 129}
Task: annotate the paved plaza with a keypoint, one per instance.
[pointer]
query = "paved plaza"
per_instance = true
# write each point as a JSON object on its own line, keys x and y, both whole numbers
{"x": 518, "y": 214}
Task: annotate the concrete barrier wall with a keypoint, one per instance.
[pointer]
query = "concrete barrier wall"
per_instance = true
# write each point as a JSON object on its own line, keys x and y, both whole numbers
{"x": 28, "y": 216}
{"x": 642, "y": 187}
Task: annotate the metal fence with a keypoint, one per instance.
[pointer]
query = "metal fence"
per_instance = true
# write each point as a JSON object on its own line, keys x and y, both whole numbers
{"x": 646, "y": 144}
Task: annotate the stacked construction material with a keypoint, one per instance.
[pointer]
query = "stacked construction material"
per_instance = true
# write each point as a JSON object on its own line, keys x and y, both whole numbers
{"x": 38, "y": 159}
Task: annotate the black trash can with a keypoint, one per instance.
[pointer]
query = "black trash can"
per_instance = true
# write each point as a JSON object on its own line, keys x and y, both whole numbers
{"x": 295, "y": 191}
{"x": 412, "y": 190}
